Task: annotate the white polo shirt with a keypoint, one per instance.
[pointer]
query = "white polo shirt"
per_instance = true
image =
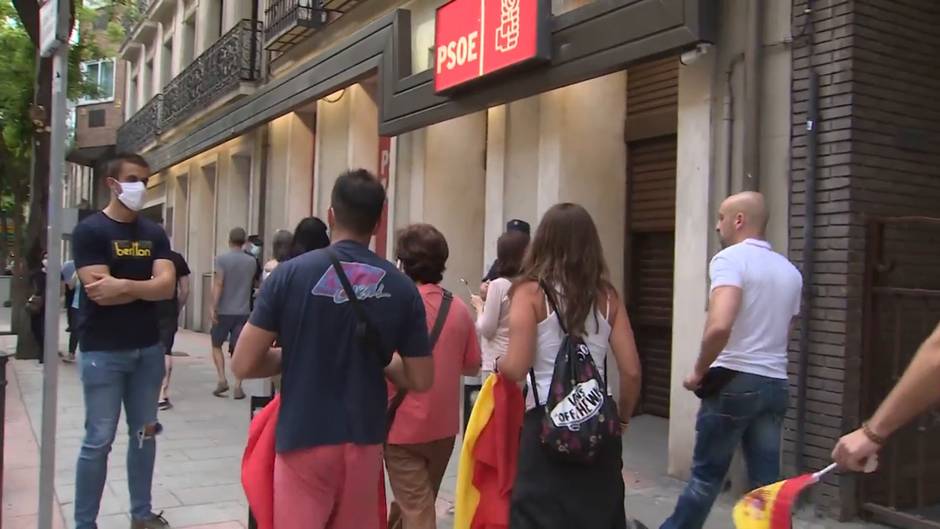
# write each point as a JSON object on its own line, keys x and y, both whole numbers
{"x": 771, "y": 289}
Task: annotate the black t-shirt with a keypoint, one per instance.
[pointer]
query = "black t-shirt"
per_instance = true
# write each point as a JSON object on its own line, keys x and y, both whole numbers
{"x": 171, "y": 308}
{"x": 129, "y": 250}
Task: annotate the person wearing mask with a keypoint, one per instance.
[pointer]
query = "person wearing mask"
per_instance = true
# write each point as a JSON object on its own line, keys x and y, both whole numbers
{"x": 169, "y": 314}
{"x": 916, "y": 392}
{"x": 281, "y": 248}
{"x": 309, "y": 235}
{"x": 741, "y": 371}
{"x": 233, "y": 280}
{"x": 493, "y": 314}
{"x": 425, "y": 425}
{"x": 549, "y": 493}
{"x": 124, "y": 264}
{"x": 336, "y": 351}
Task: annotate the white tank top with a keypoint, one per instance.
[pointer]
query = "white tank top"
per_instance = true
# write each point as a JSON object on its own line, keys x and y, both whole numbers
{"x": 548, "y": 340}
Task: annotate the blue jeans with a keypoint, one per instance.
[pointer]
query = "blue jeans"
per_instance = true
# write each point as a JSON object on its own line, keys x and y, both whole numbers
{"x": 748, "y": 411}
{"x": 108, "y": 379}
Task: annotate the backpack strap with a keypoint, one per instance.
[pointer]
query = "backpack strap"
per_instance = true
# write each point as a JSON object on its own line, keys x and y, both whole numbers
{"x": 448, "y": 299}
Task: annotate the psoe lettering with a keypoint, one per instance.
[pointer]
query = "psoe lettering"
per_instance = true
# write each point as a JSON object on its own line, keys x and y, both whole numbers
{"x": 458, "y": 52}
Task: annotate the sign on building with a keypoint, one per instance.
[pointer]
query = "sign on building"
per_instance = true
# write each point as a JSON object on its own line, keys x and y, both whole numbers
{"x": 477, "y": 38}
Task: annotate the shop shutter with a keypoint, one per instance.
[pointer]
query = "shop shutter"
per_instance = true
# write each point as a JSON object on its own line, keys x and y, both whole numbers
{"x": 652, "y": 92}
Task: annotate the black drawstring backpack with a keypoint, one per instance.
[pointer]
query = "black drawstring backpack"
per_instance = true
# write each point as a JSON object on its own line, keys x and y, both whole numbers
{"x": 580, "y": 417}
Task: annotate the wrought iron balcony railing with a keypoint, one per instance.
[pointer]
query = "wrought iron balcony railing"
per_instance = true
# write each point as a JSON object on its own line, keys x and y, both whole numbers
{"x": 142, "y": 128}
{"x": 287, "y": 22}
{"x": 234, "y": 58}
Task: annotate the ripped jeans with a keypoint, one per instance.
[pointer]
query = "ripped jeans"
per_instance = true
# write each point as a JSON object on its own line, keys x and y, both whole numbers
{"x": 749, "y": 412}
{"x": 109, "y": 378}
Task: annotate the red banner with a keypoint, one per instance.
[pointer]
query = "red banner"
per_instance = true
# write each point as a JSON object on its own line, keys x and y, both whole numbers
{"x": 475, "y": 38}
{"x": 385, "y": 161}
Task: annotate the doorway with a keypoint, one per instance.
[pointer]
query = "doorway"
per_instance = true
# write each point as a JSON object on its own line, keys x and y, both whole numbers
{"x": 652, "y": 90}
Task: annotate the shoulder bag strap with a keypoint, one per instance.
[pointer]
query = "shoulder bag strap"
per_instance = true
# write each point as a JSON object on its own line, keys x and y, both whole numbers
{"x": 364, "y": 323}
{"x": 432, "y": 341}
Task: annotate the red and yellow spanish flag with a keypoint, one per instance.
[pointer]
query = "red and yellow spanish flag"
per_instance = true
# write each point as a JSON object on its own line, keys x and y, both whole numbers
{"x": 488, "y": 457}
{"x": 771, "y": 506}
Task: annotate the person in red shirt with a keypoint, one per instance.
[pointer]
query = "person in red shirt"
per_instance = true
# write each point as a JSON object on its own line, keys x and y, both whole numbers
{"x": 421, "y": 437}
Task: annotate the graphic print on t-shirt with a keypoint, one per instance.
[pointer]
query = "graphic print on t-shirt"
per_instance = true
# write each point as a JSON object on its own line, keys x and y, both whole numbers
{"x": 366, "y": 281}
{"x": 131, "y": 249}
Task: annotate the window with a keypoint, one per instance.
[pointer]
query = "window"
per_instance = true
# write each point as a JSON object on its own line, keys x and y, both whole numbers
{"x": 96, "y": 118}
{"x": 99, "y": 74}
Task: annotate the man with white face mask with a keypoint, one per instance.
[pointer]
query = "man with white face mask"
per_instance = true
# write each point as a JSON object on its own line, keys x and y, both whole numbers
{"x": 123, "y": 261}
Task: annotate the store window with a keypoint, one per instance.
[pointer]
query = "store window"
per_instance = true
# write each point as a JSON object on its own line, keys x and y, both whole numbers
{"x": 99, "y": 74}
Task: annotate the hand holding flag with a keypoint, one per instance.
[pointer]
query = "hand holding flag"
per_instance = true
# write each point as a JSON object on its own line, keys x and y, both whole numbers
{"x": 770, "y": 507}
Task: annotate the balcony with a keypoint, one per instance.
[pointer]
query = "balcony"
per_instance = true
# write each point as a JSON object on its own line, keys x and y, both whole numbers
{"x": 234, "y": 58}
{"x": 217, "y": 73}
{"x": 288, "y": 22}
{"x": 143, "y": 127}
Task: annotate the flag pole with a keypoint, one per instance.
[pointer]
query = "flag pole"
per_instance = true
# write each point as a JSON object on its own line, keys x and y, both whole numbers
{"x": 822, "y": 473}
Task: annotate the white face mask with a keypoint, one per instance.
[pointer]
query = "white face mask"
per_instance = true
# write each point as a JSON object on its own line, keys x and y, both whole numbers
{"x": 45, "y": 262}
{"x": 132, "y": 195}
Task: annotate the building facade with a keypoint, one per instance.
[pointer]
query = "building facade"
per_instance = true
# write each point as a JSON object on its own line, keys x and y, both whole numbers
{"x": 646, "y": 112}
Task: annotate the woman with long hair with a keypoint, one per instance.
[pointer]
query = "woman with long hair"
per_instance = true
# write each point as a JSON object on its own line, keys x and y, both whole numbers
{"x": 493, "y": 314}
{"x": 309, "y": 235}
{"x": 565, "y": 267}
{"x": 281, "y": 250}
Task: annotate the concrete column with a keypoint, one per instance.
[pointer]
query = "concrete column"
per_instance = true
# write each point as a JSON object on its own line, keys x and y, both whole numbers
{"x": 299, "y": 175}
{"x": 550, "y": 147}
{"x": 693, "y": 229}
{"x": 178, "y": 15}
{"x": 454, "y": 193}
{"x": 332, "y": 156}
{"x": 522, "y": 162}
{"x": 363, "y": 152}
{"x": 496, "y": 155}
{"x": 156, "y": 84}
{"x": 418, "y": 173}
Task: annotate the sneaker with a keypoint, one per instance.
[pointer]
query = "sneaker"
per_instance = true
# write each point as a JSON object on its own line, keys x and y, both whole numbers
{"x": 157, "y": 522}
{"x": 221, "y": 388}
{"x": 239, "y": 394}
{"x": 164, "y": 405}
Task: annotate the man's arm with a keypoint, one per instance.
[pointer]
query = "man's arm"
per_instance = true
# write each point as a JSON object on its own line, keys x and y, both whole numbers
{"x": 218, "y": 280}
{"x": 916, "y": 392}
{"x": 412, "y": 368}
{"x": 723, "y": 306}
{"x": 254, "y": 357}
{"x": 183, "y": 295}
{"x": 105, "y": 289}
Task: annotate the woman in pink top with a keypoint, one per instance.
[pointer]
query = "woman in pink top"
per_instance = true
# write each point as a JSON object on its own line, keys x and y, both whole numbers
{"x": 421, "y": 438}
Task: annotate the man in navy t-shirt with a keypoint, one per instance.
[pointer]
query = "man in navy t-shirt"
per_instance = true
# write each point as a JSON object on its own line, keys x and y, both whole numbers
{"x": 123, "y": 262}
{"x": 333, "y": 394}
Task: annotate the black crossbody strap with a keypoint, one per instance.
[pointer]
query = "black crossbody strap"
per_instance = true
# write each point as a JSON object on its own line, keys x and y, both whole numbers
{"x": 364, "y": 323}
{"x": 432, "y": 341}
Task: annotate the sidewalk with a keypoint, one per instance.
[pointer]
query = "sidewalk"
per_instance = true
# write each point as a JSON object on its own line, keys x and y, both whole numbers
{"x": 197, "y": 479}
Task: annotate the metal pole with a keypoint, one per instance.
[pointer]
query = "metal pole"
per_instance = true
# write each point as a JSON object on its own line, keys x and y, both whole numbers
{"x": 3, "y": 408}
{"x": 53, "y": 271}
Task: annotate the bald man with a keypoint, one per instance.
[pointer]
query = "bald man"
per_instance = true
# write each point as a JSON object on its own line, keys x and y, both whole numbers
{"x": 741, "y": 371}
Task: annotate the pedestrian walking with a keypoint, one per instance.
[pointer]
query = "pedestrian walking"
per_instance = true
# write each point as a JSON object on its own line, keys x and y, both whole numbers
{"x": 339, "y": 313}
{"x": 36, "y": 305}
{"x": 916, "y": 392}
{"x": 513, "y": 226}
{"x": 741, "y": 371}
{"x": 309, "y": 235}
{"x": 169, "y": 315}
{"x": 281, "y": 248}
{"x": 233, "y": 280}
{"x": 70, "y": 281}
{"x": 492, "y": 320}
{"x": 562, "y": 298}
{"x": 424, "y": 425}
{"x": 123, "y": 261}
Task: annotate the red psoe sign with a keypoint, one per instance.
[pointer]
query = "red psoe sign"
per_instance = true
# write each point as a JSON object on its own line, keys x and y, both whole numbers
{"x": 475, "y": 38}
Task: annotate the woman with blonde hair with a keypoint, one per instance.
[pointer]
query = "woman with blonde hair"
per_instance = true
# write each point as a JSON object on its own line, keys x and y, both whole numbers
{"x": 563, "y": 294}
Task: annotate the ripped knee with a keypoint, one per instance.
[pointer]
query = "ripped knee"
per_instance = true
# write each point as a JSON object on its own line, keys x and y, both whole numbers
{"x": 148, "y": 432}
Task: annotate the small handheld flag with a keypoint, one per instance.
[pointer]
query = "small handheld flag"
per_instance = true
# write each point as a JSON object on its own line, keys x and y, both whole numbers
{"x": 770, "y": 507}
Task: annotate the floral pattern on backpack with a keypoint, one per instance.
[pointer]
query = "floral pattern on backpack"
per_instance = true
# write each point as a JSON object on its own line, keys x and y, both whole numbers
{"x": 580, "y": 418}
